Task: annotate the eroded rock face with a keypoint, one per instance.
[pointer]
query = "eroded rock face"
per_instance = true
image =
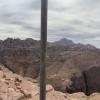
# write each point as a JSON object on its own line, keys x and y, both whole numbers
{"x": 65, "y": 63}
{"x": 21, "y": 56}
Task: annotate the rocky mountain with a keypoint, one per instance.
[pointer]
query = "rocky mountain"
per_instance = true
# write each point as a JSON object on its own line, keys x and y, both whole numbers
{"x": 70, "y": 67}
{"x": 64, "y": 42}
{"x": 15, "y": 87}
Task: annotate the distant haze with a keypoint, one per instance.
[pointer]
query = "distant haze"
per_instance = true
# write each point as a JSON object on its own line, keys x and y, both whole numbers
{"x": 78, "y": 20}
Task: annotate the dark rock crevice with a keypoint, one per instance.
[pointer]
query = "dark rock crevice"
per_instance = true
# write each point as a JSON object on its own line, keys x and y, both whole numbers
{"x": 88, "y": 82}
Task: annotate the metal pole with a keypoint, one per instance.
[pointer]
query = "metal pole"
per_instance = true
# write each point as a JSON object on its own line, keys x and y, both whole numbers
{"x": 44, "y": 6}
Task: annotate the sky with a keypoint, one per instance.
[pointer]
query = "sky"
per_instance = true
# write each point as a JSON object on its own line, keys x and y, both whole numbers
{"x": 78, "y": 20}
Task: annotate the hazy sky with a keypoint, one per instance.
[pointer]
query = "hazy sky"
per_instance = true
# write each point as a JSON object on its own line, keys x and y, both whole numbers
{"x": 78, "y": 20}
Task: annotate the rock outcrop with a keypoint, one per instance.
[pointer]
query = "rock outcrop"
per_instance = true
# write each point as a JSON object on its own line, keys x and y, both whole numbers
{"x": 15, "y": 87}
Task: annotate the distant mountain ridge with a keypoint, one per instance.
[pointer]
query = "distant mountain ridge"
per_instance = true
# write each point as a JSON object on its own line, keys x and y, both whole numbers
{"x": 31, "y": 42}
{"x": 64, "y": 41}
{"x": 67, "y": 42}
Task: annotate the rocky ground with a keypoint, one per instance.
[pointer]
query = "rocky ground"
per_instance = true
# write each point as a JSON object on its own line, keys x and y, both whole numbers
{"x": 15, "y": 87}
